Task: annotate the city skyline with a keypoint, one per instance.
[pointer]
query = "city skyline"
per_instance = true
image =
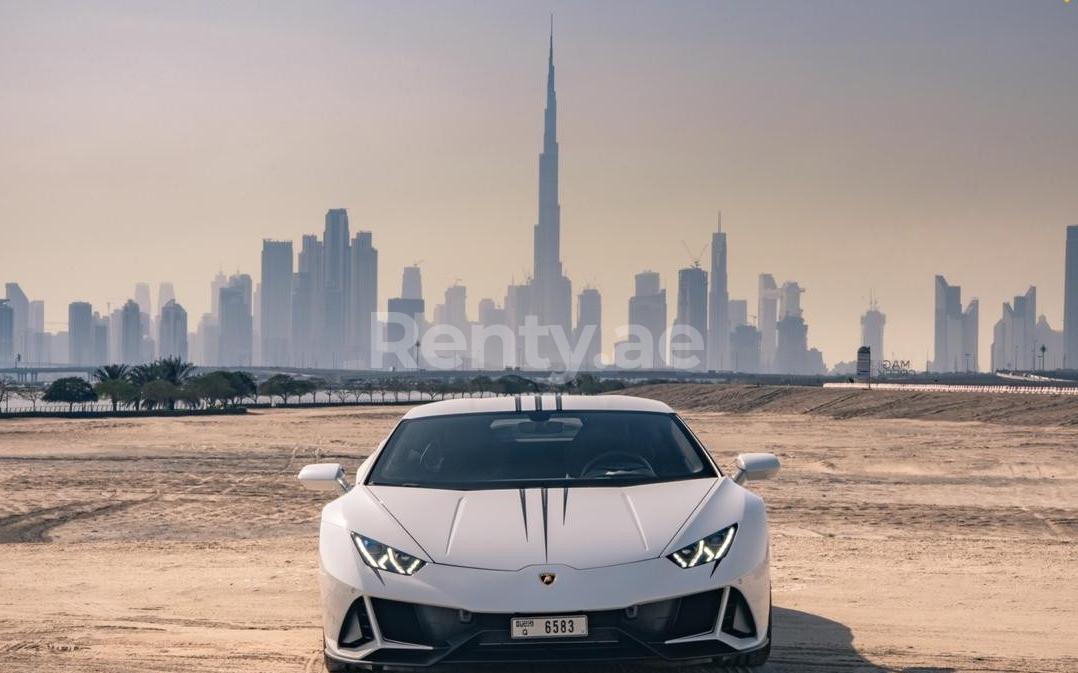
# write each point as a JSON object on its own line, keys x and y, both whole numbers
{"x": 984, "y": 165}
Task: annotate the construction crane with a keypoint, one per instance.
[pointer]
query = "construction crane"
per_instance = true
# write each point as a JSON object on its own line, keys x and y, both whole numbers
{"x": 695, "y": 258}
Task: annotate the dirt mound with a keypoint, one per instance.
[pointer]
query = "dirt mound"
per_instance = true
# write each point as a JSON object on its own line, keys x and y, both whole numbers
{"x": 1012, "y": 409}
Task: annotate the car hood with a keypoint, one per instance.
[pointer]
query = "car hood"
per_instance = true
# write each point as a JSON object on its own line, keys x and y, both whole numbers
{"x": 582, "y": 527}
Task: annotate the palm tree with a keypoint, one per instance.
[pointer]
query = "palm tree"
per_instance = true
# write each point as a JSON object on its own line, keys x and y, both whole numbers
{"x": 174, "y": 370}
{"x": 111, "y": 373}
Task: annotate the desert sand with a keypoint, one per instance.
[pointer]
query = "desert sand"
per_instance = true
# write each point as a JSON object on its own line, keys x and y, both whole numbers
{"x": 186, "y": 544}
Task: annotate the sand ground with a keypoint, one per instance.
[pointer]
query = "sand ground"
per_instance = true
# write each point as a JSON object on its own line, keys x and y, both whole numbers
{"x": 186, "y": 544}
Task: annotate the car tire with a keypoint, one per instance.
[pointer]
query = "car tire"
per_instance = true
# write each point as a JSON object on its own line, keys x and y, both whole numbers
{"x": 335, "y": 666}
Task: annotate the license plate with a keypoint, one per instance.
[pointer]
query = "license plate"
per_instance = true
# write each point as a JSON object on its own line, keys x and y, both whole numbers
{"x": 549, "y": 627}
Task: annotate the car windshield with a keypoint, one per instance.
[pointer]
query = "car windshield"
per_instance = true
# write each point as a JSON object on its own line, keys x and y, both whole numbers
{"x": 517, "y": 450}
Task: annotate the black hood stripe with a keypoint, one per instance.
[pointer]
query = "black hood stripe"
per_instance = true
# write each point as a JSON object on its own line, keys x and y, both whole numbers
{"x": 546, "y": 536}
{"x": 524, "y": 511}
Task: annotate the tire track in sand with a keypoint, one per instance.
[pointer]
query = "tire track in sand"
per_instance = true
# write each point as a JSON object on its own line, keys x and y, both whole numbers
{"x": 34, "y": 526}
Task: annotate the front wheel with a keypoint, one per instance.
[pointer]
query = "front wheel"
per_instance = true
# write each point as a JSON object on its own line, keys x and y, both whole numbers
{"x": 335, "y": 666}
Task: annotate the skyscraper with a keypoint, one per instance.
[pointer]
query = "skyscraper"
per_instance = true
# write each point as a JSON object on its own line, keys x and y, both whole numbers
{"x": 647, "y": 318}
{"x": 791, "y": 345}
{"x": 1014, "y": 339}
{"x": 131, "y": 333}
{"x": 872, "y": 323}
{"x": 552, "y": 294}
{"x": 7, "y": 333}
{"x": 1070, "y": 300}
{"x": 173, "y": 341}
{"x": 101, "y": 340}
{"x": 956, "y": 339}
{"x": 236, "y": 335}
{"x": 165, "y": 293}
{"x": 718, "y": 327}
{"x": 40, "y": 342}
{"x": 738, "y": 313}
{"x": 80, "y": 333}
{"x": 336, "y": 282}
{"x": 411, "y": 283}
{"x": 306, "y": 304}
{"x": 219, "y": 281}
{"x": 766, "y": 321}
{"x": 492, "y": 350}
{"x": 20, "y": 308}
{"x": 518, "y": 306}
{"x": 142, "y": 298}
{"x": 745, "y": 349}
{"x": 589, "y": 328}
{"x": 363, "y": 296}
{"x": 276, "y": 302}
{"x": 691, "y": 317}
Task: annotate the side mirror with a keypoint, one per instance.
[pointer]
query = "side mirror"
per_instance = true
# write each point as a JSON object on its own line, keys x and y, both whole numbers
{"x": 755, "y": 466}
{"x": 324, "y": 477}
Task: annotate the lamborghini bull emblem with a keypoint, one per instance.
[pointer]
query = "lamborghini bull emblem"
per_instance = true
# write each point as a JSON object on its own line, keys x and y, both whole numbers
{"x": 547, "y": 578}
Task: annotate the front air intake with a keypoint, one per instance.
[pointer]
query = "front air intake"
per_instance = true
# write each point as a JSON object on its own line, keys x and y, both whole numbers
{"x": 737, "y": 619}
{"x": 356, "y": 629}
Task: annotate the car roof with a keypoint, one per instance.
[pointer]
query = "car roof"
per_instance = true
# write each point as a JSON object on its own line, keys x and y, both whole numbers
{"x": 546, "y": 402}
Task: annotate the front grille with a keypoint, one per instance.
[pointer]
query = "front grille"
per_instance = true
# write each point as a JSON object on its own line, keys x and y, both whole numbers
{"x": 399, "y": 621}
{"x": 637, "y": 632}
{"x": 696, "y": 614}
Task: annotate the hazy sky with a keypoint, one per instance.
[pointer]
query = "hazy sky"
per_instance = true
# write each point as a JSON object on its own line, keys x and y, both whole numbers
{"x": 851, "y": 146}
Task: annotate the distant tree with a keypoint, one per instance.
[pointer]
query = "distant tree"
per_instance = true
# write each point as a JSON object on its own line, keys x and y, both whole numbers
{"x": 243, "y": 386}
{"x": 142, "y": 374}
{"x": 6, "y": 386}
{"x": 72, "y": 389}
{"x": 339, "y": 391}
{"x": 31, "y": 394}
{"x": 214, "y": 388}
{"x": 301, "y": 387}
{"x": 119, "y": 391}
{"x": 278, "y": 385}
{"x": 482, "y": 385}
{"x": 355, "y": 386}
{"x": 159, "y": 393}
{"x": 111, "y": 373}
{"x": 514, "y": 384}
{"x": 440, "y": 387}
{"x": 393, "y": 385}
{"x": 316, "y": 385}
{"x": 189, "y": 397}
{"x": 174, "y": 370}
{"x": 610, "y": 385}
{"x": 368, "y": 387}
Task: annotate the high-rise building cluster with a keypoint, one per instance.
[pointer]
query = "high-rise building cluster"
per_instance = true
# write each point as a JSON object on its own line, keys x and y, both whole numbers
{"x": 318, "y": 307}
{"x": 314, "y": 310}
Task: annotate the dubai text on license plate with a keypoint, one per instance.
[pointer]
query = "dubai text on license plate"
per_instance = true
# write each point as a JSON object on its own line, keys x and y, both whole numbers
{"x": 549, "y": 627}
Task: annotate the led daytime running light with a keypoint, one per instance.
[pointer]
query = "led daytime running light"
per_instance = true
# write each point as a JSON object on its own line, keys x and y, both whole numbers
{"x": 383, "y": 557}
{"x": 710, "y": 549}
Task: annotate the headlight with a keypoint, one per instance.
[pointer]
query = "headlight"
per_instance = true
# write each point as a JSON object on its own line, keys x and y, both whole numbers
{"x": 711, "y": 549}
{"x": 383, "y": 557}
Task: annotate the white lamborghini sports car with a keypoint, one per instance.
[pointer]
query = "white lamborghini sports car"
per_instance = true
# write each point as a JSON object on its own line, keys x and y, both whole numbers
{"x": 543, "y": 529}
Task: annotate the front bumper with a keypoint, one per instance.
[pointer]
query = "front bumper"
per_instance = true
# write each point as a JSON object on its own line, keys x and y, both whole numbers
{"x": 708, "y": 626}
